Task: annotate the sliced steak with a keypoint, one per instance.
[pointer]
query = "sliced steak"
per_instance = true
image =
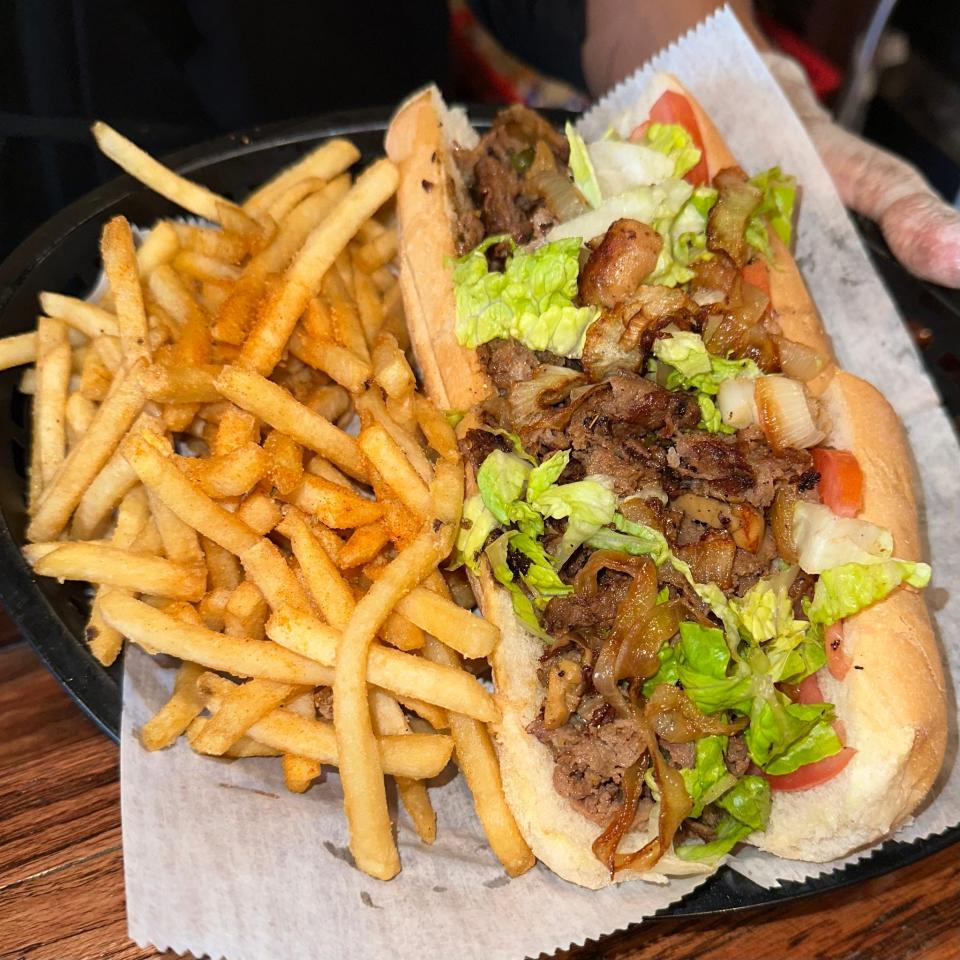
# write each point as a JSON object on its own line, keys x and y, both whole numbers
{"x": 737, "y": 758}
{"x": 622, "y": 260}
{"x": 590, "y": 761}
{"x": 507, "y": 362}
{"x": 477, "y": 445}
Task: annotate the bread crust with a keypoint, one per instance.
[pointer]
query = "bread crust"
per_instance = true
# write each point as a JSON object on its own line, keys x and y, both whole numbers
{"x": 891, "y": 641}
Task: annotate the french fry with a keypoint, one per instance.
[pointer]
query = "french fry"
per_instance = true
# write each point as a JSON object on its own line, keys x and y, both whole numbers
{"x": 388, "y": 719}
{"x": 133, "y": 515}
{"x": 236, "y": 428}
{"x": 50, "y": 400}
{"x": 285, "y": 461}
{"x": 140, "y": 165}
{"x": 246, "y": 612}
{"x": 79, "y": 413}
{"x": 223, "y": 568}
{"x": 158, "y": 472}
{"x": 395, "y": 469}
{"x": 270, "y": 333}
{"x": 210, "y": 242}
{"x": 318, "y": 467}
{"x": 92, "y": 321}
{"x": 178, "y": 384}
{"x": 127, "y": 569}
{"x": 172, "y": 294}
{"x": 331, "y": 358}
{"x": 115, "y": 479}
{"x": 213, "y": 609}
{"x": 266, "y": 567}
{"x": 155, "y": 631}
{"x": 180, "y": 541}
{"x": 403, "y": 674}
{"x": 231, "y": 474}
{"x": 324, "y": 162}
{"x": 95, "y": 378}
{"x": 244, "y": 748}
{"x": 17, "y": 350}
{"x": 260, "y": 513}
{"x": 364, "y": 544}
{"x": 399, "y": 632}
{"x": 239, "y": 710}
{"x": 345, "y": 320}
{"x": 300, "y": 772}
{"x": 371, "y": 837}
{"x": 369, "y": 306}
{"x": 371, "y": 408}
{"x": 202, "y": 267}
{"x": 173, "y": 718}
{"x": 289, "y": 198}
{"x": 416, "y": 755}
{"x": 159, "y": 246}
{"x": 440, "y": 435}
{"x": 86, "y": 459}
{"x": 332, "y": 504}
{"x": 109, "y": 351}
{"x": 390, "y": 367}
{"x": 272, "y": 404}
{"x": 435, "y": 716}
{"x": 377, "y": 251}
{"x": 123, "y": 274}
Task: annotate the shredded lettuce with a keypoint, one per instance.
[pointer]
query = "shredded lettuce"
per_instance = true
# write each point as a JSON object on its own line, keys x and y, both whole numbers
{"x": 501, "y": 479}
{"x": 776, "y": 208}
{"x": 694, "y": 367}
{"x": 710, "y": 419}
{"x": 708, "y": 778}
{"x": 746, "y": 808}
{"x": 582, "y": 168}
{"x": 531, "y": 301}
{"x": 540, "y": 576}
{"x": 621, "y": 165}
{"x": 476, "y": 524}
{"x": 587, "y": 505}
{"x": 522, "y": 604}
{"x": 845, "y": 590}
{"x": 766, "y": 610}
{"x": 673, "y": 141}
{"x": 825, "y": 540}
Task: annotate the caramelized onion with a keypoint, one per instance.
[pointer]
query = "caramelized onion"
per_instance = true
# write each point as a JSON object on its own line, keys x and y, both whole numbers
{"x": 563, "y": 692}
{"x": 797, "y": 360}
{"x": 548, "y": 386}
{"x": 736, "y": 404}
{"x": 785, "y": 413}
{"x": 728, "y": 337}
{"x": 711, "y": 560}
{"x": 781, "y": 522}
{"x": 562, "y": 197}
{"x": 675, "y": 718}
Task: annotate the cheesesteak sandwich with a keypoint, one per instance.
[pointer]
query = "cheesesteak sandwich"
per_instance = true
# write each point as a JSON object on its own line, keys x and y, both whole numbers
{"x": 697, "y": 535}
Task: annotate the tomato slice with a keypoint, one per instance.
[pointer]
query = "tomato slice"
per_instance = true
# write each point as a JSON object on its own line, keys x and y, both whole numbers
{"x": 674, "y": 107}
{"x": 812, "y": 774}
{"x": 757, "y": 274}
{"x": 841, "y": 481}
{"x": 808, "y": 690}
{"x": 839, "y": 661}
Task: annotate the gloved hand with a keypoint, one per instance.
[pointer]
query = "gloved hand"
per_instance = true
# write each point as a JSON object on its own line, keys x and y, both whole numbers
{"x": 920, "y": 228}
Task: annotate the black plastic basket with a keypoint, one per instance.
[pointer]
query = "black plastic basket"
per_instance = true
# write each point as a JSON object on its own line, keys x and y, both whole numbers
{"x": 63, "y": 256}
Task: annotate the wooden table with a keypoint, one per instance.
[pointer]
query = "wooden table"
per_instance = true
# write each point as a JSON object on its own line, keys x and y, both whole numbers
{"x": 61, "y": 870}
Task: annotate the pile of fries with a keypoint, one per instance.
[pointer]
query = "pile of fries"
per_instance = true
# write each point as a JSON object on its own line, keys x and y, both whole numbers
{"x": 191, "y": 461}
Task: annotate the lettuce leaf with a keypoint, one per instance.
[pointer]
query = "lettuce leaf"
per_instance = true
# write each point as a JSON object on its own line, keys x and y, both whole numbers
{"x": 776, "y": 208}
{"x": 673, "y": 141}
{"x": 587, "y": 505}
{"x": 684, "y": 239}
{"x": 501, "y": 479}
{"x": 708, "y": 778}
{"x": 780, "y": 731}
{"x": 845, "y": 590}
{"x": 476, "y": 524}
{"x": 730, "y": 831}
{"x": 822, "y": 741}
{"x": 522, "y": 604}
{"x": 766, "y": 610}
{"x": 825, "y": 540}
{"x": 621, "y": 165}
{"x": 547, "y": 473}
{"x": 694, "y": 367}
{"x": 531, "y": 301}
{"x": 540, "y": 576}
{"x": 710, "y": 416}
{"x": 667, "y": 673}
{"x": 581, "y": 167}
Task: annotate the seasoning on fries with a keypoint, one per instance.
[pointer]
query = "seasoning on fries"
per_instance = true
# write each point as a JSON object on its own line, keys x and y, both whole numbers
{"x": 196, "y": 459}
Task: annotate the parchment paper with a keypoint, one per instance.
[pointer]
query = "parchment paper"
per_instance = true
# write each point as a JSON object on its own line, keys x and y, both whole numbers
{"x": 221, "y": 860}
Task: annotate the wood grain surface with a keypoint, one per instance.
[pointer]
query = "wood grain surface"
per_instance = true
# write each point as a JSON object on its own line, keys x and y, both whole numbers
{"x": 61, "y": 867}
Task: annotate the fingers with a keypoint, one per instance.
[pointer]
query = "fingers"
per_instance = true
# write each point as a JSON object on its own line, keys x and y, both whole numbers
{"x": 924, "y": 234}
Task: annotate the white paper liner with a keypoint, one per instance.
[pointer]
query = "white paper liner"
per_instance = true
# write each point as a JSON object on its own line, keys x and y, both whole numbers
{"x": 220, "y": 860}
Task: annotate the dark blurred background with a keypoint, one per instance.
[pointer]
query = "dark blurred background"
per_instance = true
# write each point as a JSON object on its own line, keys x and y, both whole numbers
{"x": 169, "y": 73}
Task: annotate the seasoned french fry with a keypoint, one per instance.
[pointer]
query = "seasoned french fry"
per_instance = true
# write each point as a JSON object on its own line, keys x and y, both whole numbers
{"x": 50, "y": 400}
{"x": 180, "y": 541}
{"x": 266, "y": 567}
{"x": 260, "y": 513}
{"x": 86, "y": 459}
{"x": 285, "y": 461}
{"x": 331, "y": 358}
{"x": 440, "y": 435}
{"x": 369, "y": 306}
{"x": 223, "y": 567}
{"x": 332, "y": 504}
{"x": 155, "y": 631}
{"x": 390, "y": 367}
{"x": 270, "y": 333}
{"x": 300, "y": 772}
{"x": 96, "y": 378}
{"x": 345, "y": 320}
{"x": 115, "y": 567}
{"x": 210, "y": 242}
{"x": 173, "y": 718}
{"x": 364, "y": 544}
{"x": 377, "y": 251}
{"x": 123, "y": 274}
{"x": 229, "y": 474}
{"x": 190, "y": 196}
{"x": 246, "y": 612}
{"x": 272, "y": 404}
{"x": 395, "y": 469}
{"x": 324, "y": 162}
{"x": 200, "y": 266}
{"x": 236, "y": 428}
{"x": 180, "y": 384}
{"x": 158, "y": 472}
{"x": 17, "y": 350}
{"x": 371, "y": 408}
{"x": 245, "y": 747}
{"x": 399, "y": 632}
{"x": 79, "y": 412}
{"x": 289, "y": 198}
{"x": 159, "y": 246}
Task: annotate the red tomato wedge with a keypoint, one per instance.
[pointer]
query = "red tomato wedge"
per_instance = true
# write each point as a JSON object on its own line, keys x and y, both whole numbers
{"x": 813, "y": 774}
{"x": 757, "y": 274}
{"x": 839, "y": 661}
{"x": 841, "y": 480}
{"x": 675, "y": 108}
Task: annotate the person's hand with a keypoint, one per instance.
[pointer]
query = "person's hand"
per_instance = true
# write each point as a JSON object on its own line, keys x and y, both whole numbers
{"x": 920, "y": 228}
